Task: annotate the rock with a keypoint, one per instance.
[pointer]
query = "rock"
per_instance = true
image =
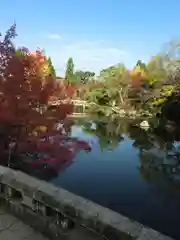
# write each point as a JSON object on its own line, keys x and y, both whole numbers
{"x": 144, "y": 124}
{"x": 93, "y": 126}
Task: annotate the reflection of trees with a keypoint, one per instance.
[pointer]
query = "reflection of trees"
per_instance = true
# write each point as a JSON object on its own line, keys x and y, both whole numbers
{"x": 142, "y": 139}
{"x": 157, "y": 164}
{"x": 153, "y": 146}
{"x": 151, "y": 159}
{"x": 67, "y": 126}
{"x": 161, "y": 181}
{"x": 153, "y": 151}
{"x": 145, "y": 140}
{"x": 44, "y": 173}
{"x": 109, "y": 133}
{"x": 45, "y": 157}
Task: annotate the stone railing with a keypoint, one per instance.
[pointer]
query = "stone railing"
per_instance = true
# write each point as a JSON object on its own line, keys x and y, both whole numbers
{"x": 73, "y": 101}
{"x": 55, "y": 211}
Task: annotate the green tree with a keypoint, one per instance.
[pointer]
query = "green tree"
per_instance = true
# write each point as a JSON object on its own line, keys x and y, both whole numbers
{"x": 142, "y": 65}
{"x": 83, "y": 76}
{"x": 156, "y": 70}
{"x": 157, "y": 75}
{"x": 116, "y": 81}
{"x": 69, "y": 75}
{"x": 51, "y": 67}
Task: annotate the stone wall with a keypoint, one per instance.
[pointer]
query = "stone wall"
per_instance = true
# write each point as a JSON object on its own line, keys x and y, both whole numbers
{"x": 56, "y": 211}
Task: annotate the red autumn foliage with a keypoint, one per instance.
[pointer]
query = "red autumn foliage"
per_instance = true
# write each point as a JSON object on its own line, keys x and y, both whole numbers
{"x": 69, "y": 91}
{"x": 24, "y": 93}
{"x": 24, "y": 96}
{"x": 64, "y": 91}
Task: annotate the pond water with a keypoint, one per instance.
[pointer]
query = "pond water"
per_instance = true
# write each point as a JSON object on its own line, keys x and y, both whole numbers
{"x": 112, "y": 174}
{"x": 128, "y": 170}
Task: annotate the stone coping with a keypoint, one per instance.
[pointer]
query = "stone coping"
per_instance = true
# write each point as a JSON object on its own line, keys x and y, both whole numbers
{"x": 104, "y": 221}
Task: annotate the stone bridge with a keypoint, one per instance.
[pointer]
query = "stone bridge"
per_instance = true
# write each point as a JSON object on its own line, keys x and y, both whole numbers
{"x": 82, "y": 105}
{"x": 73, "y": 101}
{"x": 59, "y": 214}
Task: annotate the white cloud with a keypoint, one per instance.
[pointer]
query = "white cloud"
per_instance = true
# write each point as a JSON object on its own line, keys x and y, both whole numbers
{"x": 54, "y": 36}
{"x": 91, "y": 55}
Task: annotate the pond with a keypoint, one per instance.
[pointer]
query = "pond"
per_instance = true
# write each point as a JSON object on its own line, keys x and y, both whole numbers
{"x": 128, "y": 170}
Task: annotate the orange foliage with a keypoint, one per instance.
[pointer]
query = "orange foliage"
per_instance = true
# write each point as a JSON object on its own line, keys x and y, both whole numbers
{"x": 25, "y": 90}
{"x": 138, "y": 75}
{"x": 136, "y": 81}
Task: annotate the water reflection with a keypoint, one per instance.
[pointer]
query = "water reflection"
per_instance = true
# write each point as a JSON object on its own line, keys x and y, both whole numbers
{"x": 109, "y": 134}
{"x": 156, "y": 152}
{"x": 46, "y": 156}
{"x": 130, "y": 170}
{"x": 138, "y": 177}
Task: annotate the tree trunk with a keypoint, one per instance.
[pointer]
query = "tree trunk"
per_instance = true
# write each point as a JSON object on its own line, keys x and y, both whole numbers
{"x": 120, "y": 95}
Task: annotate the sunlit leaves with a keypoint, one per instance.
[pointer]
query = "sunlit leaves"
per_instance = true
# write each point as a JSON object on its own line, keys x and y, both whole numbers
{"x": 27, "y": 88}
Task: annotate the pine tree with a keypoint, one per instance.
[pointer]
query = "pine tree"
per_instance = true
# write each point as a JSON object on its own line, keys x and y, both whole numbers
{"x": 69, "y": 75}
{"x": 51, "y": 67}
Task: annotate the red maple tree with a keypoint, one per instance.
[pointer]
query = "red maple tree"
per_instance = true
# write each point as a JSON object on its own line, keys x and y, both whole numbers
{"x": 25, "y": 92}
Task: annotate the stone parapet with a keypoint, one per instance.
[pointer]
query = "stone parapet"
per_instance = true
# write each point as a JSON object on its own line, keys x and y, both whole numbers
{"x": 59, "y": 210}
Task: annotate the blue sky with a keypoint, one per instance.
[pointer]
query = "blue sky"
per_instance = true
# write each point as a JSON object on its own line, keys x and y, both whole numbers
{"x": 95, "y": 33}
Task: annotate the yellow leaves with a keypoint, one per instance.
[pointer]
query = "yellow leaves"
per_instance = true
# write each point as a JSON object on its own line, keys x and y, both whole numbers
{"x": 42, "y": 128}
{"x": 39, "y": 129}
{"x": 165, "y": 92}
{"x": 42, "y": 63}
{"x": 151, "y": 80}
{"x": 35, "y": 63}
{"x": 158, "y": 101}
{"x": 153, "y": 77}
{"x": 45, "y": 70}
{"x": 167, "y": 89}
{"x": 138, "y": 72}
